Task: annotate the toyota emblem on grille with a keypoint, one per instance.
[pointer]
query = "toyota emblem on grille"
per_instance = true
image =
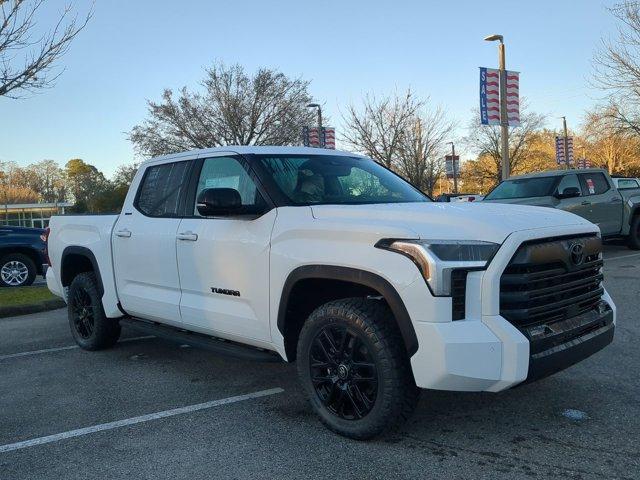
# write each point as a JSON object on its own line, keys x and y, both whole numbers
{"x": 577, "y": 253}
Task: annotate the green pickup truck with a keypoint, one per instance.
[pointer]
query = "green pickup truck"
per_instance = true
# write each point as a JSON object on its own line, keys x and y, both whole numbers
{"x": 589, "y": 193}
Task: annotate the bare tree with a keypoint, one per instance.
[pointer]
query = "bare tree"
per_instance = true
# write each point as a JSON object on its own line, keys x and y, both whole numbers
{"x": 422, "y": 150}
{"x": 484, "y": 140}
{"x": 267, "y": 108}
{"x": 617, "y": 68}
{"x": 609, "y": 145}
{"x": 26, "y": 61}
{"x": 377, "y": 128}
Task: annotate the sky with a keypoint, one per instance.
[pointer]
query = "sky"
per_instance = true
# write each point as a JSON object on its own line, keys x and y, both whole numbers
{"x": 132, "y": 50}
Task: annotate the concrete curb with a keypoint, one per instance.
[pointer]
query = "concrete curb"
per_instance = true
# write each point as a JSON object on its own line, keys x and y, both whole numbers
{"x": 32, "y": 308}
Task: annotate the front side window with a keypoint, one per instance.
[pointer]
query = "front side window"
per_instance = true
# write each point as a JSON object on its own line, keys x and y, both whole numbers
{"x": 161, "y": 188}
{"x": 594, "y": 183}
{"x": 568, "y": 181}
{"x": 333, "y": 179}
{"x": 523, "y": 188}
{"x": 228, "y": 172}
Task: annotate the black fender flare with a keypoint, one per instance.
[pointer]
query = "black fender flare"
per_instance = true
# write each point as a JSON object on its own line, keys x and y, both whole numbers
{"x": 84, "y": 252}
{"x": 353, "y": 275}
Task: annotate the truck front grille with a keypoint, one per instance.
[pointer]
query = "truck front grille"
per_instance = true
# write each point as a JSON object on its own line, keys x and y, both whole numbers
{"x": 551, "y": 280}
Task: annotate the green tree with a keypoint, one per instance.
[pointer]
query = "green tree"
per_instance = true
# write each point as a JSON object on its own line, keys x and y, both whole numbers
{"x": 85, "y": 184}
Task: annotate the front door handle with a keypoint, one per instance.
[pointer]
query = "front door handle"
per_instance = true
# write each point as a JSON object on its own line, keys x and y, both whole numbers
{"x": 123, "y": 233}
{"x": 188, "y": 236}
{"x": 616, "y": 200}
{"x": 585, "y": 203}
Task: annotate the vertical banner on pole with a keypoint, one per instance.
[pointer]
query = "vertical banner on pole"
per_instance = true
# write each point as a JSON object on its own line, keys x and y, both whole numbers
{"x": 452, "y": 164}
{"x": 489, "y": 96}
{"x": 513, "y": 98}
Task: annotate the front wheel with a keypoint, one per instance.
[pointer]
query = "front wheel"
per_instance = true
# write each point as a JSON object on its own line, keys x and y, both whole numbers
{"x": 354, "y": 368}
{"x": 634, "y": 233}
{"x": 90, "y": 328}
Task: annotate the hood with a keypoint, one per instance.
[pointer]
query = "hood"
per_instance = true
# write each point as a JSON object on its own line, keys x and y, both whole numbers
{"x": 490, "y": 222}
{"x": 547, "y": 201}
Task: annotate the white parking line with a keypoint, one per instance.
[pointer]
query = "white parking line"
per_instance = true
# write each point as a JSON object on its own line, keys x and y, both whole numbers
{"x": 618, "y": 257}
{"x": 61, "y": 349}
{"x": 134, "y": 420}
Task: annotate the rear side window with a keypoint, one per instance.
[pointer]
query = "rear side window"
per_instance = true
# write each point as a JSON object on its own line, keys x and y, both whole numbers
{"x": 628, "y": 183}
{"x": 593, "y": 183}
{"x": 161, "y": 189}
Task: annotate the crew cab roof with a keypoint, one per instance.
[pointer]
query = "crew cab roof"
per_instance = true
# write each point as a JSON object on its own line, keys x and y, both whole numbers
{"x": 555, "y": 173}
{"x": 252, "y": 149}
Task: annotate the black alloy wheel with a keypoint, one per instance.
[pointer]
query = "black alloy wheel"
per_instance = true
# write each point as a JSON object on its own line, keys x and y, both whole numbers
{"x": 343, "y": 372}
{"x": 83, "y": 316}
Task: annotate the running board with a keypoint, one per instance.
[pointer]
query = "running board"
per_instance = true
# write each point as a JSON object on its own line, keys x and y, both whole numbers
{"x": 213, "y": 344}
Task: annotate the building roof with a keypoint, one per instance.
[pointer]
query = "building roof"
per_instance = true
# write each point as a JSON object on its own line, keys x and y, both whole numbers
{"x": 33, "y": 206}
{"x": 249, "y": 149}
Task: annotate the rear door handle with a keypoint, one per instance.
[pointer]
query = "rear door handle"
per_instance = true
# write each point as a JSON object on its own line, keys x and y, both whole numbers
{"x": 188, "y": 236}
{"x": 616, "y": 200}
{"x": 123, "y": 233}
{"x": 585, "y": 203}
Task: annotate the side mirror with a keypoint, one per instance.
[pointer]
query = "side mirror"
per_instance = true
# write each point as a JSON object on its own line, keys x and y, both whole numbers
{"x": 569, "y": 192}
{"x": 218, "y": 201}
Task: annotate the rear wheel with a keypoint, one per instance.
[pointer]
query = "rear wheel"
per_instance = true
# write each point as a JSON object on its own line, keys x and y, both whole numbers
{"x": 634, "y": 233}
{"x": 90, "y": 328}
{"x": 354, "y": 368}
{"x": 17, "y": 270}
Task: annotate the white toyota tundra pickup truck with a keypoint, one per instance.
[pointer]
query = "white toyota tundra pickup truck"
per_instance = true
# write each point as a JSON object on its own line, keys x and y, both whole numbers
{"x": 330, "y": 260}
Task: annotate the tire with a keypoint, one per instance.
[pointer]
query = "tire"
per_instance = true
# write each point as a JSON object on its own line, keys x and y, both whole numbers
{"x": 90, "y": 328}
{"x": 17, "y": 270}
{"x": 634, "y": 233}
{"x": 366, "y": 345}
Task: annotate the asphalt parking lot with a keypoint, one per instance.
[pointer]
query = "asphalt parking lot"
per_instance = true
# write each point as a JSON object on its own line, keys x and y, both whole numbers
{"x": 222, "y": 418}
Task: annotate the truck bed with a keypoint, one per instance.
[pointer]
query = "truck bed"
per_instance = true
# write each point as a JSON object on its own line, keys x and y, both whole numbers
{"x": 75, "y": 233}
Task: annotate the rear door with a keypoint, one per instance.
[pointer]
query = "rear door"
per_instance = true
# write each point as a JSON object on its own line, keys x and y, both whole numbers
{"x": 144, "y": 244}
{"x": 224, "y": 261}
{"x": 604, "y": 202}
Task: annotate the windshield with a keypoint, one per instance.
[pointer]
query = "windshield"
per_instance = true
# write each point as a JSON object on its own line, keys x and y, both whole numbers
{"x": 332, "y": 179}
{"x": 523, "y": 187}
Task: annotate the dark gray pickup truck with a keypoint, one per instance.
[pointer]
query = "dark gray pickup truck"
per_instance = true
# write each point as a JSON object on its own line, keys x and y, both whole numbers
{"x": 589, "y": 193}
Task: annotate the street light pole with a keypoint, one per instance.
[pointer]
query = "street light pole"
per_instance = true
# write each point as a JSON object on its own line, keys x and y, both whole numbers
{"x": 504, "y": 119}
{"x": 453, "y": 167}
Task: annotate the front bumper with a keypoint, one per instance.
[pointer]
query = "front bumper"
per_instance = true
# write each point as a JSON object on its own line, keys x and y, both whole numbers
{"x": 485, "y": 352}
{"x": 493, "y": 355}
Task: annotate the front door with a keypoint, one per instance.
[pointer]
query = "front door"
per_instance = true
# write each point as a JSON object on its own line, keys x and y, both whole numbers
{"x": 576, "y": 205}
{"x": 144, "y": 245}
{"x": 223, "y": 261}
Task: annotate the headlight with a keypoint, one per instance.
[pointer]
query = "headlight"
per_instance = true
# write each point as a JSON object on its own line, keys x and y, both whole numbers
{"x": 437, "y": 258}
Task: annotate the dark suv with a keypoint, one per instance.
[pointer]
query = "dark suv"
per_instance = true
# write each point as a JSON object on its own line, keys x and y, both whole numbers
{"x": 23, "y": 255}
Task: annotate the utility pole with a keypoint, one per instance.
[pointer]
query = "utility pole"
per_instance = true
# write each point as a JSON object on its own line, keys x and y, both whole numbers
{"x": 504, "y": 119}
{"x": 453, "y": 167}
{"x": 566, "y": 144}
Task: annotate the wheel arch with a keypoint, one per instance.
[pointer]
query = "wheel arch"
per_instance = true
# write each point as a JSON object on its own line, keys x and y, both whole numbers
{"x": 76, "y": 260}
{"x": 349, "y": 280}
